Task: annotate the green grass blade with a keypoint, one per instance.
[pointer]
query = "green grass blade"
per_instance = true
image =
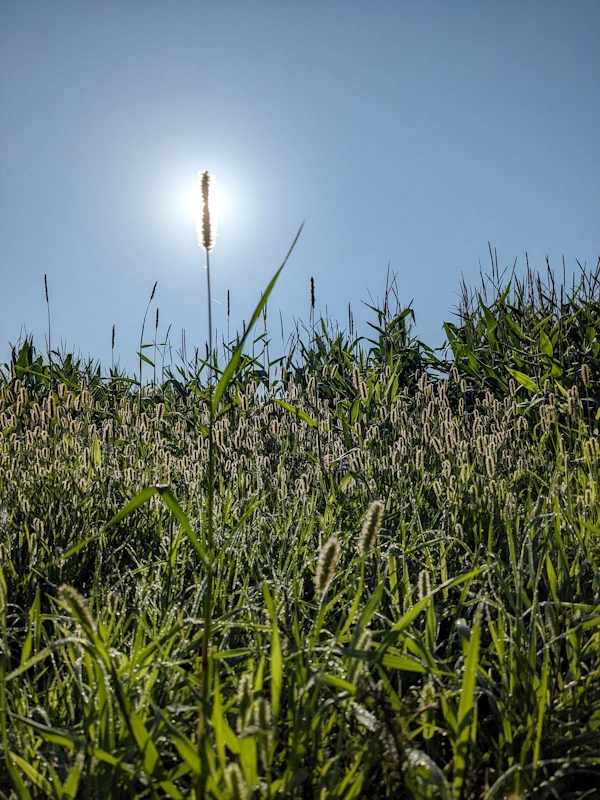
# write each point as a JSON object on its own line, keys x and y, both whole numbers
{"x": 170, "y": 501}
{"x": 231, "y": 367}
{"x": 542, "y": 693}
{"x": 34, "y": 776}
{"x": 131, "y": 506}
{"x": 466, "y": 710}
{"x": 298, "y": 412}
{"x": 276, "y": 656}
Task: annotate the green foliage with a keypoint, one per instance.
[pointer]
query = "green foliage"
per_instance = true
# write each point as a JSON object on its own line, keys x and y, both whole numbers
{"x": 458, "y": 656}
{"x": 529, "y": 334}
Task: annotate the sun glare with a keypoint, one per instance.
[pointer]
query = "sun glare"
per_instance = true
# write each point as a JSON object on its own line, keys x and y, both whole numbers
{"x": 182, "y": 209}
{"x": 192, "y": 202}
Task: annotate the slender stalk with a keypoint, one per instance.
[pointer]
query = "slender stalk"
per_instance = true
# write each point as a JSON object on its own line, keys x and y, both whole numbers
{"x": 49, "y": 342}
{"x": 142, "y": 339}
{"x": 155, "y": 335}
{"x": 206, "y": 240}
{"x": 112, "y": 350}
{"x": 209, "y": 500}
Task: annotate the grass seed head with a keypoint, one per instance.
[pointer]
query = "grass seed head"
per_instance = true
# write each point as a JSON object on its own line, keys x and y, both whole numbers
{"x": 245, "y": 702}
{"x": 77, "y": 606}
{"x": 586, "y": 375}
{"x": 424, "y": 584}
{"x": 371, "y": 527}
{"x": 235, "y": 783}
{"x": 328, "y": 559}
{"x": 205, "y": 227}
{"x": 590, "y": 449}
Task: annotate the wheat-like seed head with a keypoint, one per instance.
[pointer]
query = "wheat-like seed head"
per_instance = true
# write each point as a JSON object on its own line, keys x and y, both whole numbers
{"x": 245, "y": 701}
{"x": 235, "y": 783}
{"x": 328, "y": 559}
{"x": 424, "y": 584}
{"x": 371, "y": 527}
{"x": 206, "y": 228}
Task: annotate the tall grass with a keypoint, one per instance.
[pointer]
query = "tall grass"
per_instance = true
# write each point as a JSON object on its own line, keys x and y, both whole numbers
{"x": 403, "y": 573}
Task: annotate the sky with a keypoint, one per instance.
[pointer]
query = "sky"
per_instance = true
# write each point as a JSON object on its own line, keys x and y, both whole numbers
{"x": 407, "y": 134}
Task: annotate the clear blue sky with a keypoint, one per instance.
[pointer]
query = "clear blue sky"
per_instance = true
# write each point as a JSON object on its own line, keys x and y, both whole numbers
{"x": 403, "y": 132}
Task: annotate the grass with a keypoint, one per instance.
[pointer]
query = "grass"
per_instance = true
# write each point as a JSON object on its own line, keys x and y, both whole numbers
{"x": 402, "y": 585}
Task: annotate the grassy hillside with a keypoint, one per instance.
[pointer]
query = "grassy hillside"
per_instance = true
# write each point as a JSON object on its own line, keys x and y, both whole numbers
{"x": 393, "y": 590}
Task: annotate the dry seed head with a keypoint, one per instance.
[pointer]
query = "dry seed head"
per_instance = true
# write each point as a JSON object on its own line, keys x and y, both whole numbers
{"x": 262, "y": 716}
{"x": 205, "y": 227}
{"x": 426, "y": 432}
{"x": 586, "y": 375}
{"x": 371, "y": 527}
{"x": 573, "y": 400}
{"x": 235, "y": 783}
{"x": 590, "y": 449}
{"x": 424, "y": 584}
{"x": 419, "y": 458}
{"x": 437, "y": 445}
{"x": 328, "y": 559}
{"x": 438, "y": 488}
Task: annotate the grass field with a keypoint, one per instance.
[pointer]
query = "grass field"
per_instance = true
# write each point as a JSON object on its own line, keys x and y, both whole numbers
{"x": 394, "y": 590}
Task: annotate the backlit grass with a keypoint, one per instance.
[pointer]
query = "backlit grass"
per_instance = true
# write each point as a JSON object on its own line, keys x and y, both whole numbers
{"x": 404, "y": 567}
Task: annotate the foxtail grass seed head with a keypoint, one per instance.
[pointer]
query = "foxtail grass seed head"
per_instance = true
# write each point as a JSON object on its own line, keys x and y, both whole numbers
{"x": 263, "y": 716}
{"x": 263, "y": 723}
{"x": 424, "y": 584}
{"x": 363, "y": 391}
{"x": 205, "y": 226}
{"x": 235, "y": 783}
{"x": 371, "y": 527}
{"x": 590, "y": 449}
{"x": 245, "y": 701}
{"x": 586, "y": 375}
{"x": 77, "y": 606}
{"x": 328, "y": 559}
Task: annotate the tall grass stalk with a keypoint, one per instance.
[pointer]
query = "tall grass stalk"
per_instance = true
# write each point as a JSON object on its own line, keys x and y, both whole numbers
{"x": 206, "y": 240}
{"x": 49, "y": 341}
{"x": 141, "y": 353}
